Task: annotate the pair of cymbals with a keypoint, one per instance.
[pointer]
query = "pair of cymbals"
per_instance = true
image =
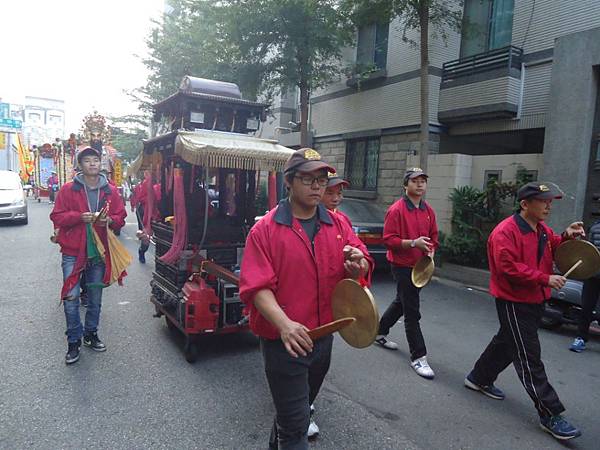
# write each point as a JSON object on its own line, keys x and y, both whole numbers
{"x": 355, "y": 313}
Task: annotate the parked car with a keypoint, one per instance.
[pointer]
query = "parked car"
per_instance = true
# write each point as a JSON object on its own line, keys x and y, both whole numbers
{"x": 367, "y": 222}
{"x": 13, "y": 204}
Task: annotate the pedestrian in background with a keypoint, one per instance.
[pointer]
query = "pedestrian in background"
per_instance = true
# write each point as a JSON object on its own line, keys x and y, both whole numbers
{"x": 589, "y": 296}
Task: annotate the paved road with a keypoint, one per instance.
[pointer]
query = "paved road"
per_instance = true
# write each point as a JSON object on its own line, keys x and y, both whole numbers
{"x": 142, "y": 394}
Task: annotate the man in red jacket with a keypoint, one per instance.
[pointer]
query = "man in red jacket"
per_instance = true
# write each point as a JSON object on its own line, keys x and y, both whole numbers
{"x": 294, "y": 257}
{"x": 88, "y": 193}
{"x": 520, "y": 253}
{"x": 409, "y": 232}
{"x": 334, "y": 194}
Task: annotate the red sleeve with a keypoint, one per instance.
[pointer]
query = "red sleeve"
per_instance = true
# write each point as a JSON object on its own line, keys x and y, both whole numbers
{"x": 433, "y": 231}
{"x": 554, "y": 239}
{"x": 133, "y": 198}
{"x": 392, "y": 229}
{"x": 117, "y": 211}
{"x": 353, "y": 240}
{"x": 62, "y": 216}
{"x": 506, "y": 260}
{"x": 257, "y": 272}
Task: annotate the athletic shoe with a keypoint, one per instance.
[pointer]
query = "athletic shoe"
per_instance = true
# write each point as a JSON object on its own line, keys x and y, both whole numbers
{"x": 381, "y": 340}
{"x": 558, "y": 427}
{"x": 578, "y": 345}
{"x": 490, "y": 390}
{"x": 72, "y": 355}
{"x": 313, "y": 429}
{"x": 142, "y": 256}
{"x": 422, "y": 368}
{"x": 93, "y": 341}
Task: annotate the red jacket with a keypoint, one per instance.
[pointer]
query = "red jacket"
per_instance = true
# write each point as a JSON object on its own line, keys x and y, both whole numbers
{"x": 279, "y": 257}
{"x": 72, "y": 237}
{"x": 403, "y": 220}
{"x": 139, "y": 194}
{"x": 344, "y": 217}
{"x": 521, "y": 260}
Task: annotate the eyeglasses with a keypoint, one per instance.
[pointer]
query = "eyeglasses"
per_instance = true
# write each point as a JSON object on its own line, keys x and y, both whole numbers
{"x": 307, "y": 180}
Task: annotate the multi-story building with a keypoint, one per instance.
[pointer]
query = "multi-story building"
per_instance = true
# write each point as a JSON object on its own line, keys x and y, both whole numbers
{"x": 517, "y": 89}
{"x": 43, "y": 120}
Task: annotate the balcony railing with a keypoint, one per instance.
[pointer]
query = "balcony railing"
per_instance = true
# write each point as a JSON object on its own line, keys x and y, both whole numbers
{"x": 502, "y": 58}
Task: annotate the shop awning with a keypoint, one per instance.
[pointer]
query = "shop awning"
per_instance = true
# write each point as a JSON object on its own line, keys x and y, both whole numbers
{"x": 230, "y": 151}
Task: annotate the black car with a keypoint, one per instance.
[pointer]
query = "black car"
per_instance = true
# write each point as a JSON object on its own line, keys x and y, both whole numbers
{"x": 367, "y": 223}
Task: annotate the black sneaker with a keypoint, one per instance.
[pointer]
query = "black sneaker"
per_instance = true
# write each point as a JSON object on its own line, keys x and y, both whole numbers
{"x": 72, "y": 355}
{"x": 490, "y": 390}
{"x": 558, "y": 427}
{"x": 142, "y": 256}
{"x": 93, "y": 341}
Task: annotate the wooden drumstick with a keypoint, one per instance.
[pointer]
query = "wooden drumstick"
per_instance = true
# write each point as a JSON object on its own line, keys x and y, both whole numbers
{"x": 575, "y": 266}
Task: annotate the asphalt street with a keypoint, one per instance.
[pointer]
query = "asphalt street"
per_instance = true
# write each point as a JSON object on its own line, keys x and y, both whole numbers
{"x": 142, "y": 394}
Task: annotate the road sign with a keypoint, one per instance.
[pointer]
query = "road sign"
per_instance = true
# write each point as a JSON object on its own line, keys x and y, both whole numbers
{"x": 11, "y": 124}
{"x": 4, "y": 111}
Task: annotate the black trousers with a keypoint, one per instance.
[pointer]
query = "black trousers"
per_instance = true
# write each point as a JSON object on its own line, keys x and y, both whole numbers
{"x": 590, "y": 295}
{"x": 407, "y": 304}
{"x": 517, "y": 342}
{"x": 294, "y": 385}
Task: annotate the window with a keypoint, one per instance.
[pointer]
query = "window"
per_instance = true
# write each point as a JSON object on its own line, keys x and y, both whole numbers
{"x": 362, "y": 162}
{"x": 35, "y": 117}
{"x": 372, "y": 45}
{"x": 529, "y": 175}
{"x": 491, "y": 176}
{"x": 488, "y": 25}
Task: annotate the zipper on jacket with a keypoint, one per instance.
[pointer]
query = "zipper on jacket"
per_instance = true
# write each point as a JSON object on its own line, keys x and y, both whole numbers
{"x": 312, "y": 253}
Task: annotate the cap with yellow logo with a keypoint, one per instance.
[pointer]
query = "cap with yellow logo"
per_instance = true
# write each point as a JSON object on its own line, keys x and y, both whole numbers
{"x": 333, "y": 179}
{"x": 306, "y": 160}
{"x": 540, "y": 191}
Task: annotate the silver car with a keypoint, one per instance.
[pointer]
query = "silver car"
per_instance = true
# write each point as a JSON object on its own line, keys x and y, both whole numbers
{"x": 13, "y": 205}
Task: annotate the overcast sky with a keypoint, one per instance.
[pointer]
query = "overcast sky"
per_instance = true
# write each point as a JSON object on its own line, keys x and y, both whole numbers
{"x": 80, "y": 51}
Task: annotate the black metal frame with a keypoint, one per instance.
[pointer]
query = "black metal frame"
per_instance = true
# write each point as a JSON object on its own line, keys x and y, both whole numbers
{"x": 364, "y": 168}
{"x": 508, "y": 58}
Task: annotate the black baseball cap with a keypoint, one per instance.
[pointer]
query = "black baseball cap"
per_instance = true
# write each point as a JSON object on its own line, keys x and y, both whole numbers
{"x": 540, "y": 191}
{"x": 333, "y": 179}
{"x": 414, "y": 172}
{"x": 306, "y": 160}
{"x": 88, "y": 151}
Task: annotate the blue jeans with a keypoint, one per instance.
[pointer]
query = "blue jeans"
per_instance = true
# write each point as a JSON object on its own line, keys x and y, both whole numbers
{"x": 93, "y": 274}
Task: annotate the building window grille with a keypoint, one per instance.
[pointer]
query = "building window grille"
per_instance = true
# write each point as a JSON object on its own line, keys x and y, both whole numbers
{"x": 492, "y": 176}
{"x": 372, "y": 45}
{"x": 487, "y": 25}
{"x": 362, "y": 163}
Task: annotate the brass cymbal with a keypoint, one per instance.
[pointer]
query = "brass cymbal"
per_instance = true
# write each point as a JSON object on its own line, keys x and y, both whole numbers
{"x": 350, "y": 299}
{"x": 423, "y": 271}
{"x": 569, "y": 252}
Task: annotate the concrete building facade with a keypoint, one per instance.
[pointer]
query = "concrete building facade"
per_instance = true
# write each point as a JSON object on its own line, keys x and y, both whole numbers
{"x": 519, "y": 92}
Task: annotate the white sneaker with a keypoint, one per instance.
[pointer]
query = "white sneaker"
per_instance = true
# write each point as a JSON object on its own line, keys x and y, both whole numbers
{"x": 422, "y": 368}
{"x": 381, "y": 340}
{"x": 313, "y": 429}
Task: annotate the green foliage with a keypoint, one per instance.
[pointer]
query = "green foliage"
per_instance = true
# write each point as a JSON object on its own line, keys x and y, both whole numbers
{"x": 443, "y": 15}
{"x": 474, "y": 215}
{"x": 127, "y": 134}
{"x": 190, "y": 41}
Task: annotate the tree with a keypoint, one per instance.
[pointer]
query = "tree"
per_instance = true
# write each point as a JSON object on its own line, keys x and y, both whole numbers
{"x": 294, "y": 43}
{"x": 127, "y": 134}
{"x": 437, "y": 16}
{"x": 189, "y": 41}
